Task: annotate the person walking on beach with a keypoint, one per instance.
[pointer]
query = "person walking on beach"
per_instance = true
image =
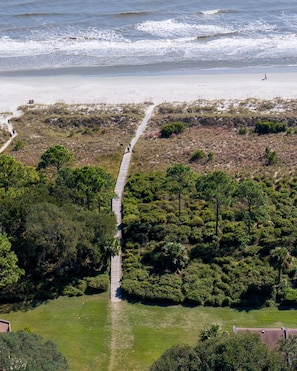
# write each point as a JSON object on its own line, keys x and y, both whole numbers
{"x": 265, "y": 77}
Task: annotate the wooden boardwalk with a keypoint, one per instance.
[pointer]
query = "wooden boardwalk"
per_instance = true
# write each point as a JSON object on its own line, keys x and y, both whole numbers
{"x": 116, "y": 261}
{"x": 6, "y": 125}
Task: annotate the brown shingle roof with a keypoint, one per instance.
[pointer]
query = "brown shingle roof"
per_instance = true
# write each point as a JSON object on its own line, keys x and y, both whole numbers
{"x": 270, "y": 336}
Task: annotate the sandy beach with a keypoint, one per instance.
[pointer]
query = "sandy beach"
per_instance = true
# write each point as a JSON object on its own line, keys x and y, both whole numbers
{"x": 71, "y": 89}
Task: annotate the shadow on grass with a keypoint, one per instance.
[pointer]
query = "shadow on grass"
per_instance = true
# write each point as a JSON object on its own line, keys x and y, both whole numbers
{"x": 21, "y": 306}
{"x": 156, "y": 303}
{"x": 287, "y": 307}
{"x": 280, "y": 307}
{"x": 246, "y": 309}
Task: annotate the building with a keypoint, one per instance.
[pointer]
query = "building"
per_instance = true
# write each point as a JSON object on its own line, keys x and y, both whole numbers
{"x": 4, "y": 326}
{"x": 270, "y": 336}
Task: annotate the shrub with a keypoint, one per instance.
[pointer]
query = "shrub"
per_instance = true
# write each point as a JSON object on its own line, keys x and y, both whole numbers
{"x": 271, "y": 157}
{"x": 172, "y": 128}
{"x": 70, "y": 290}
{"x": 197, "y": 155}
{"x": 210, "y": 157}
{"x": 82, "y": 285}
{"x": 19, "y": 145}
{"x": 243, "y": 130}
{"x": 195, "y": 236}
{"x": 167, "y": 287}
{"x": 98, "y": 284}
{"x": 138, "y": 274}
{"x": 290, "y": 295}
{"x": 289, "y": 131}
{"x": 131, "y": 287}
{"x": 270, "y": 127}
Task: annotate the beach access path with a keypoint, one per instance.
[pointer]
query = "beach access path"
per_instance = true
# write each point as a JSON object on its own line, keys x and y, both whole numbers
{"x": 116, "y": 261}
{"x": 6, "y": 124}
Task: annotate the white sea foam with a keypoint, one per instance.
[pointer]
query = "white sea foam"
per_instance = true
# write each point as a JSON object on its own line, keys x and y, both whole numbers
{"x": 110, "y": 51}
{"x": 49, "y": 34}
{"x": 211, "y": 11}
{"x": 259, "y": 26}
{"x": 173, "y": 28}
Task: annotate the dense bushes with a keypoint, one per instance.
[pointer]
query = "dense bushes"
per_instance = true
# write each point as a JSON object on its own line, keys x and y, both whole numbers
{"x": 167, "y": 287}
{"x": 227, "y": 255}
{"x": 270, "y": 127}
{"x": 87, "y": 285}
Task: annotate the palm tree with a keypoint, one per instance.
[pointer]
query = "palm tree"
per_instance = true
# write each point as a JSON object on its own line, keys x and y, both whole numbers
{"x": 176, "y": 255}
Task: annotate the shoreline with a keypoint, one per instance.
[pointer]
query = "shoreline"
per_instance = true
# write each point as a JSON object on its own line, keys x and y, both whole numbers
{"x": 113, "y": 89}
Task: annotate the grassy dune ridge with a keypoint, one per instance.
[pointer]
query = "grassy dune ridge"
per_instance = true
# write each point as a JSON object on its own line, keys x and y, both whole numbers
{"x": 98, "y": 134}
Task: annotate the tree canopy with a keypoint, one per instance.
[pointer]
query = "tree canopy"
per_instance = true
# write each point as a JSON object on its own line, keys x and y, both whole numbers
{"x": 57, "y": 157}
{"x": 26, "y": 351}
{"x": 179, "y": 177}
{"x": 216, "y": 187}
{"x": 222, "y": 352}
{"x": 51, "y": 234}
{"x": 9, "y": 270}
{"x": 58, "y": 229}
{"x": 88, "y": 186}
{"x": 12, "y": 172}
{"x": 253, "y": 202}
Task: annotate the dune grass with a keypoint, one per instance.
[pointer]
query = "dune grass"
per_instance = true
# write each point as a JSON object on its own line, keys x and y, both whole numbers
{"x": 95, "y": 335}
{"x": 96, "y": 134}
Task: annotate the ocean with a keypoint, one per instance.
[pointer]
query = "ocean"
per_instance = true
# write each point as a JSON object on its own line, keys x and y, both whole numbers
{"x": 151, "y": 36}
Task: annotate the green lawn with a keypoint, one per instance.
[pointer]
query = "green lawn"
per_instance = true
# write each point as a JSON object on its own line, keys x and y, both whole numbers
{"x": 135, "y": 334}
{"x": 79, "y": 326}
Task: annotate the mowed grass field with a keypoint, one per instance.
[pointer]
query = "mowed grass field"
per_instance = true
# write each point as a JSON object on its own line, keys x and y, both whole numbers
{"x": 94, "y": 334}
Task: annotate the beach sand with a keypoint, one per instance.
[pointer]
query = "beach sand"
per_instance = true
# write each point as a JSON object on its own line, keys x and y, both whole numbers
{"x": 72, "y": 89}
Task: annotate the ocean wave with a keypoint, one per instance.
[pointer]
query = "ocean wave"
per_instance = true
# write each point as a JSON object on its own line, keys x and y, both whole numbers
{"x": 133, "y": 13}
{"x": 172, "y": 28}
{"x": 108, "y": 47}
{"x": 259, "y": 26}
{"x": 210, "y": 12}
{"x": 290, "y": 20}
{"x": 217, "y": 35}
{"x": 37, "y": 14}
{"x": 74, "y": 34}
{"x": 167, "y": 41}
